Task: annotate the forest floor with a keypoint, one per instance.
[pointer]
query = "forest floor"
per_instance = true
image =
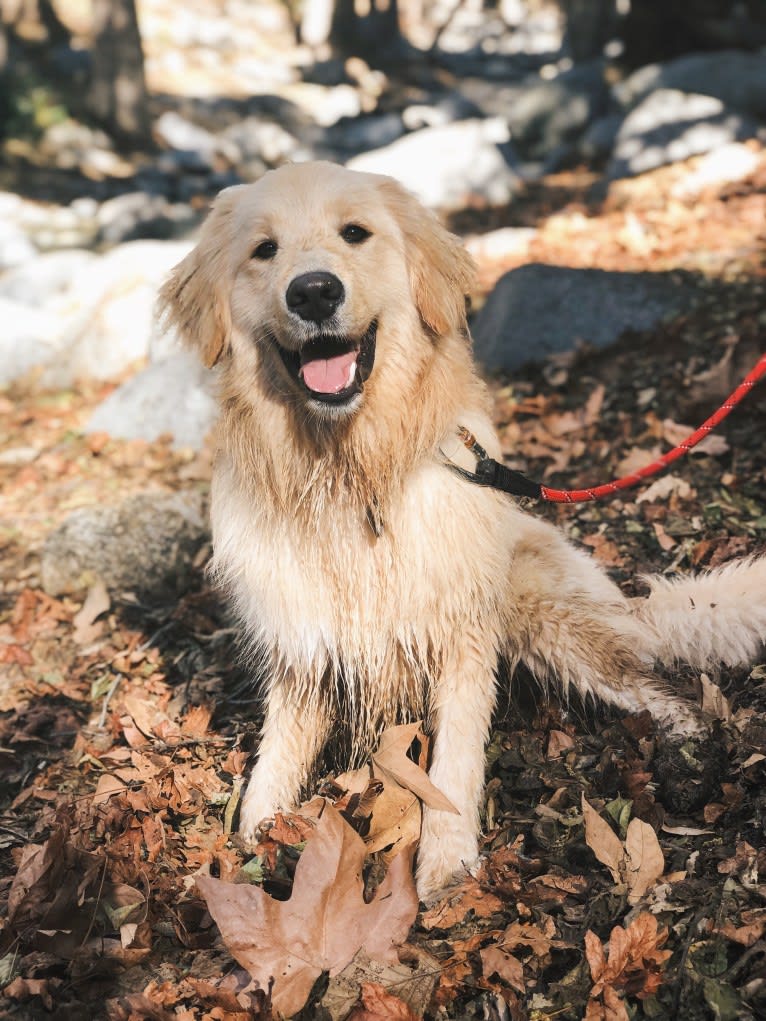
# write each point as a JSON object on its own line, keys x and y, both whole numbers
{"x": 126, "y": 729}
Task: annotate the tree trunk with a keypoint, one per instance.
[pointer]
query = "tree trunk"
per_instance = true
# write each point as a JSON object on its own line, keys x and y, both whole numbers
{"x": 590, "y": 24}
{"x": 118, "y": 97}
{"x": 366, "y": 28}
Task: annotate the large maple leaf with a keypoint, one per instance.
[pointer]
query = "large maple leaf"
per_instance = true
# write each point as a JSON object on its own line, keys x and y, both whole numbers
{"x": 324, "y": 923}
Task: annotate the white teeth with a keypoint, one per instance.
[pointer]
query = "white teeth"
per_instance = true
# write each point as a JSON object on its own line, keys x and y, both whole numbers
{"x": 351, "y": 374}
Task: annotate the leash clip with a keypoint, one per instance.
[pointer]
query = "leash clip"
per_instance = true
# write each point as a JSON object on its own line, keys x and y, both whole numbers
{"x": 492, "y": 473}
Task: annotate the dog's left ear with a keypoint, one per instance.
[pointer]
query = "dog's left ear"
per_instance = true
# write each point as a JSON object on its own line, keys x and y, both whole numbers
{"x": 442, "y": 273}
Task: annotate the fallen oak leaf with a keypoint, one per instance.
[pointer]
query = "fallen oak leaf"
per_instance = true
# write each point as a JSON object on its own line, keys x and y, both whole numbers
{"x": 325, "y": 921}
{"x": 379, "y": 1005}
{"x": 391, "y": 758}
{"x": 394, "y": 811}
{"x": 458, "y": 901}
{"x": 148, "y": 718}
{"x": 412, "y": 980}
{"x": 497, "y": 960}
{"x": 633, "y": 965}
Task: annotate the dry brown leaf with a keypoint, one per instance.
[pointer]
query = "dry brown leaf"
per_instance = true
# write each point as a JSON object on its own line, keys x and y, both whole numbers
{"x": 636, "y": 459}
{"x": 604, "y": 550}
{"x": 633, "y": 965}
{"x": 197, "y": 721}
{"x": 412, "y": 980}
{"x": 148, "y": 718}
{"x": 395, "y": 816}
{"x": 645, "y": 860}
{"x": 391, "y": 758}
{"x": 497, "y": 960}
{"x": 638, "y": 862}
{"x": 379, "y": 1005}
{"x": 666, "y": 542}
{"x": 675, "y": 433}
{"x": 97, "y": 601}
{"x": 539, "y": 938}
{"x": 748, "y": 934}
{"x": 603, "y": 841}
{"x": 291, "y": 828}
{"x": 558, "y": 742}
{"x": 107, "y": 787}
{"x": 325, "y": 921}
{"x": 714, "y": 702}
{"x": 453, "y": 908}
{"x": 25, "y": 988}
{"x": 664, "y": 487}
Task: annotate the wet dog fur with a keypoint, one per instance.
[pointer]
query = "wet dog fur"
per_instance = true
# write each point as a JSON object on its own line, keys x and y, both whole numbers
{"x": 372, "y": 582}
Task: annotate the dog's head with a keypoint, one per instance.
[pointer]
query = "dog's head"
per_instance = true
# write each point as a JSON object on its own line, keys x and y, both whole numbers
{"x": 317, "y": 279}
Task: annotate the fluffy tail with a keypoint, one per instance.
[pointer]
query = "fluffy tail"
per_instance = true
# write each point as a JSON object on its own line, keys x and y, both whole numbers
{"x": 716, "y": 618}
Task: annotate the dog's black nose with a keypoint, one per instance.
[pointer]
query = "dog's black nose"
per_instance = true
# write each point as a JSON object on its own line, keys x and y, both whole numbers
{"x": 315, "y": 296}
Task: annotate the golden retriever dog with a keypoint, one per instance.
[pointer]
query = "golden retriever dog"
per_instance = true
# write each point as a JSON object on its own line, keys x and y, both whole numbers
{"x": 374, "y": 583}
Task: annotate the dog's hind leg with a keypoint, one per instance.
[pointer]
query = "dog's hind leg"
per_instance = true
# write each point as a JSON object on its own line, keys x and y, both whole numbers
{"x": 569, "y": 623}
{"x": 713, "y": 618}
{"x": 292, "y": 737}
{"x": 462, "y": 701}
{"x": 595, "y": 652}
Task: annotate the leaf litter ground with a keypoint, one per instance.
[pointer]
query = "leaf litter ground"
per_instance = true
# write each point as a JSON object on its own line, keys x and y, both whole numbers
{"x": 623, "y": 875}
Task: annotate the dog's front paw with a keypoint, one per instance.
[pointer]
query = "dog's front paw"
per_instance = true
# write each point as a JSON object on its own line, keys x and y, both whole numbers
{"x": 448, "y": 848}
{"x": 254, "y": 816}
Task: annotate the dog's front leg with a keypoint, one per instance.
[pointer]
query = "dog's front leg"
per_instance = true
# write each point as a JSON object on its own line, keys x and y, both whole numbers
{"x": 292, "y": 736}
{"x": 463, "y": 700}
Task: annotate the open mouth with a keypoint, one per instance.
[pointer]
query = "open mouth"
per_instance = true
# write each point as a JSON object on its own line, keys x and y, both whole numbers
{"x": 332, "y": 369}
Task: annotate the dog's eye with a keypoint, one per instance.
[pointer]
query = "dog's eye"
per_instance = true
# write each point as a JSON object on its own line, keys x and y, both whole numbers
{"x": 354, "y": 234}
{"x": 265, "y": 250}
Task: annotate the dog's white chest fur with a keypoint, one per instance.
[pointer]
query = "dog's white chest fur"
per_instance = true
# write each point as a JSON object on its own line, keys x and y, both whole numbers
{"x": 334, "y": 592}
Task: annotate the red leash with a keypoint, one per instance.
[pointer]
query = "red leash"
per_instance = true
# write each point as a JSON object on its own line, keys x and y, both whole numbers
{"x": 491, "y": 473}
{"x": 609, "y": 488}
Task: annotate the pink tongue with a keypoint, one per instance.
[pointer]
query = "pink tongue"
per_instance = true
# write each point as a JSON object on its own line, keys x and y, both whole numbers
{"x": 328, "y": 375}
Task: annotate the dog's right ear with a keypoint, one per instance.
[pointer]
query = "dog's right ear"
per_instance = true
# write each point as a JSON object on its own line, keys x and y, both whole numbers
{"x": 195, "y": 298}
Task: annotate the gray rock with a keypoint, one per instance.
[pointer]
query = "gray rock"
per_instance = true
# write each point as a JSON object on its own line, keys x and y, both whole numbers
{"x": 139, "y": 214}
{"x": 597, "y": 143}
{"x": 352, "y": 135}
{"x": 736, "y": 78}
{"x": 539, "y": 310}
{"x": 172, "y": 396}
{"x": 670, "y": 126}
{"x": 544, "y": 114}
{"x": 198, "y": 148}
{"x": 113, "y": 318}
{"x": 144, "y": 545}
{"x": 48, "y": 276}
{"x": 16, "y": 249}
{"x": 258, "y": 139}
{"x": 446, "y": 167}
{"x": 29, "y": 340}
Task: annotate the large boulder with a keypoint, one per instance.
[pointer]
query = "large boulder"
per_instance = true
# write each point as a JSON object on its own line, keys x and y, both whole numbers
{"x": 47, "y": 277}
{"x": 451, "y": 166}
{"x": 736, "y": 78}
{"x": 145, "y": 545}
{"x": 539, "y": 310}
{"x": 544, "y": 115}
{"x": 111, "y": 311}
{"x": 670, "y": 126}
{"x": 172, "y": 396}
{"x": 29, "y": 339}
